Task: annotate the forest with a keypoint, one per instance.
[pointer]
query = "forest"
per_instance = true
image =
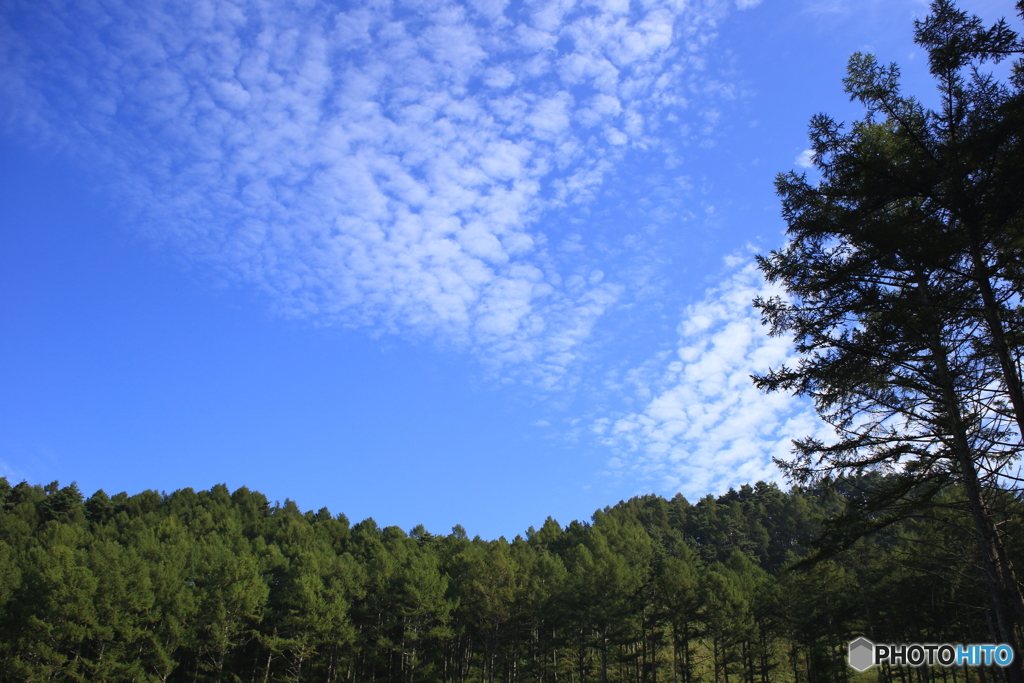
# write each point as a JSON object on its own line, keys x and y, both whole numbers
{"x": 225, "y": 586}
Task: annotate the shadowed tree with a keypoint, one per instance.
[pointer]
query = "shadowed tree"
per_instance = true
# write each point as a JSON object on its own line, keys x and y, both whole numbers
{"x": 903, "y": 282}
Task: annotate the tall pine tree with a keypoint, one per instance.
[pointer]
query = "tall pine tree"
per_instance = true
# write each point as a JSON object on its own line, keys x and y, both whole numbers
{"x": 903, "y": 282}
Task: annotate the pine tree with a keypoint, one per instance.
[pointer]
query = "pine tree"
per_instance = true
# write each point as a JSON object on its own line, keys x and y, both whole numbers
{"x": 903, "y": 279}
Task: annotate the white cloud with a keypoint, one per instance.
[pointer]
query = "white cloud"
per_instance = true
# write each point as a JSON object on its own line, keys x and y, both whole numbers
{"x": 704, "y": 426}
{"x": 806, "y": 159}
{"x": 386, "y": 165}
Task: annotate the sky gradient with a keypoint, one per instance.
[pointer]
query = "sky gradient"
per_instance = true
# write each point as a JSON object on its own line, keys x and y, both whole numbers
{"x": 432, "y": 262}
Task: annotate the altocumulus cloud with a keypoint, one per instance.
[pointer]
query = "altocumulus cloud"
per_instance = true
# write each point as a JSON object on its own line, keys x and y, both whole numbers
{"x": 704, "y": 426}
{"x": 376, "y": 164}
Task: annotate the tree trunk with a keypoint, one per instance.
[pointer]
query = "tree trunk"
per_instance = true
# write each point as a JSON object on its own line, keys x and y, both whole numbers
{"x": 992, "y": 553}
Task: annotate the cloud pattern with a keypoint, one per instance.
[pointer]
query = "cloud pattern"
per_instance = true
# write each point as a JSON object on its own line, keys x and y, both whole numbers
{"x": 407, "y": 166}
{"x": 392, "y": 165}
{"x": 704, "y": 426}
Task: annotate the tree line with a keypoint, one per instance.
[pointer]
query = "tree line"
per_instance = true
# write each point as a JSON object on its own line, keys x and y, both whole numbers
{"x": 224, "y": 586}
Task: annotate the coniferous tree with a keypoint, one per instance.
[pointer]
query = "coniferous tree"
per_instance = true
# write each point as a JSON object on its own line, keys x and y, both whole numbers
{"x": 903, "y": 291}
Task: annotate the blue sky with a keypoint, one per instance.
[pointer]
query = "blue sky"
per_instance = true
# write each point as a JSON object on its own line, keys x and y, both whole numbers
{"x": 432, "y": 262}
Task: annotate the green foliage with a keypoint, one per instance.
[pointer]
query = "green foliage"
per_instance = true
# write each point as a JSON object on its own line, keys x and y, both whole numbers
{"x": 219, "y": 586}
{"x": 904, "y": 295}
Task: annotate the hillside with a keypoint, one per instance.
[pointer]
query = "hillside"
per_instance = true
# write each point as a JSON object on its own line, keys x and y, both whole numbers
{"x": 224, "y": 586}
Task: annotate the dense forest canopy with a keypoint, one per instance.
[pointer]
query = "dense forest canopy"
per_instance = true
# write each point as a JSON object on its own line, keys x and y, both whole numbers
{"x": 225, "y": 586}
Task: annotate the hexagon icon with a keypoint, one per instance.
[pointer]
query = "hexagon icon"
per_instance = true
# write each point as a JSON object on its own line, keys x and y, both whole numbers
{"x": 862, "y": 654}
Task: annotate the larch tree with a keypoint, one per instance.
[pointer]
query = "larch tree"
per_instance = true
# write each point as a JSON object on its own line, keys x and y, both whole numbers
{"x": 903, "y": 282}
